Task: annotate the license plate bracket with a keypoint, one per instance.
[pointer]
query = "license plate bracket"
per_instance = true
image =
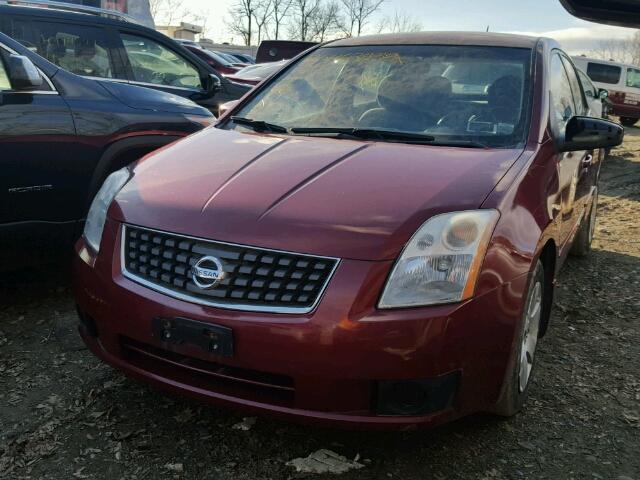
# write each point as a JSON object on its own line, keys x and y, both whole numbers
{"x": 214, "y": 339}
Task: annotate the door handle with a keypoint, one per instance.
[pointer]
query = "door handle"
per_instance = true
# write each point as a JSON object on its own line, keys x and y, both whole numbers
{"x": 587, "y": 160}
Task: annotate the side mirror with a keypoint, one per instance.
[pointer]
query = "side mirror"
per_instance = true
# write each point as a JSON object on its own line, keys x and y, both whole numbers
{"x": 603, "y": 94}
{"x": 586, "y": 133}
{"x": 213, "y": 85}
{"x": 23, "y": 74}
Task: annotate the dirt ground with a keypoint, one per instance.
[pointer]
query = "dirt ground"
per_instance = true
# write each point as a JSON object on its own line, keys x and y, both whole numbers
{"x": 64, "y": 415}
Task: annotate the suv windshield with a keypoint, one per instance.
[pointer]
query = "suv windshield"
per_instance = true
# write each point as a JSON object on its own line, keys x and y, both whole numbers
{"x": 458, "y": 93}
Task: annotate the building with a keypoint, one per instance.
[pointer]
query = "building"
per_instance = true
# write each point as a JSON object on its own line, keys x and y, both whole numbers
{"x": 139, "y": 9}
{"x": 183, "y": 31}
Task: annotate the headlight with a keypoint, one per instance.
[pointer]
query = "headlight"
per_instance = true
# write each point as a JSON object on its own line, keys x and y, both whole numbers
{"x": 98, "y": 211}
{"x": 440, "y": 263}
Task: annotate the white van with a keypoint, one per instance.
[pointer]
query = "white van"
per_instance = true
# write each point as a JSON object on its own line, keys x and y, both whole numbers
{"x": 621, "y": 80}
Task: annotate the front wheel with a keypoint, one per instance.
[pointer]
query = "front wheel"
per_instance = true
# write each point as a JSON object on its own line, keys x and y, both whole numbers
{"x": 628, "y": 121}
{"x": 518, "y": 379}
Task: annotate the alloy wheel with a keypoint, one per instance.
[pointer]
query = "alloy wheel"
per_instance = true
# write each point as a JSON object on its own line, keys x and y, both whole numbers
{"x": 593, "y": 216}
{"x": 533, "y": 313}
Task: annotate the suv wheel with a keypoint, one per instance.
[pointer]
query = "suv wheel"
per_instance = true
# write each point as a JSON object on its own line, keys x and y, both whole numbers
{"x": 518, "y": 379}
{"x": 628, "y": 121}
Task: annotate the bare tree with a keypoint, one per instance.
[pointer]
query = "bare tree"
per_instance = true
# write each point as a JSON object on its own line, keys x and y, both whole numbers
{"x": 634, "y": 48}
{"x": 279, "y": 13}
{"x": 357, "y": 15}
{"x": 621, "y": 50}
{"x": 154, "y": 7}
{"x": 325, "y": 21}
{"x": 242, "y": 13}
{"x": 302, "y": 18}
{"x": 399, "y": 23}
{"x": 262, "y": 14}
{"x": 167, "y": 11}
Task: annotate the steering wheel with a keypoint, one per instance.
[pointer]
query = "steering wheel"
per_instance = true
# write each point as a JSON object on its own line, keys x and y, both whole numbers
{"x": 454, "y": 121}
{"x": 158, "y": 78}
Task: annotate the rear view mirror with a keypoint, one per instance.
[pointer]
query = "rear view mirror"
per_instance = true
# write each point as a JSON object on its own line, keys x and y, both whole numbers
{"x": 23, "y": 74}
{"x": 603, "y": 94}
{"x": 625, "y": 13}
{"x": 586, "y": 133}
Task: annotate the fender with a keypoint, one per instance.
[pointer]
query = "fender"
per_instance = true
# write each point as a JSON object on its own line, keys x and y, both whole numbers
{"x": 109, "y": 160}
{"x": 528, "y": 224}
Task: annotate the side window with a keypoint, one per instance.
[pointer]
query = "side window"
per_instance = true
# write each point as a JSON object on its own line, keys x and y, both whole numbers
{"x": 589, "y": 90}
{"x": 21, "y": 32}
{"x": 5, "y": 84}
{"x": 578, "y": 98}
{"x": 599, "y": 72}
{"x": 154, "y": 63}
{"x": 633, "y": 77}
{"x": 78, "y": 49}
{"x": 562, "y": 104}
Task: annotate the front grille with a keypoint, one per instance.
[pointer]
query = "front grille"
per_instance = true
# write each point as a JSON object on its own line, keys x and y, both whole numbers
{"x": 255, "y": 279}
{"x": 233, "y": 381}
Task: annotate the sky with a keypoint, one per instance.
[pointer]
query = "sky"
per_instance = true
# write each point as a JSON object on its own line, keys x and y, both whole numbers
{"x": 537, "y": 17}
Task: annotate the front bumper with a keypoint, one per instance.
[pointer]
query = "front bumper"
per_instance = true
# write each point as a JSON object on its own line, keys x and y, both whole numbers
{"x": 624, "y": 110}
{"x": 326, "y": 367}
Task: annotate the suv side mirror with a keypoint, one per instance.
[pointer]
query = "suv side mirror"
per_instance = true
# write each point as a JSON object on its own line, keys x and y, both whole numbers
{"x": 212, "y": 85}
{"x": 23, "y": 74}
{"x": 603, "y": 94}
{"x": 587, "y": 133}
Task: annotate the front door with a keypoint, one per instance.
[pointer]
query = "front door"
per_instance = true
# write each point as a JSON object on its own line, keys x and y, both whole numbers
{"x": 36, "y": 135}
{"x": 573, "y": 167}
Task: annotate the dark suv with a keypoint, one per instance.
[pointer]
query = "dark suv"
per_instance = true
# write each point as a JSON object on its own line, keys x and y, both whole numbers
{"x": 62, "y": 134}
{"x": 97, "y": 46}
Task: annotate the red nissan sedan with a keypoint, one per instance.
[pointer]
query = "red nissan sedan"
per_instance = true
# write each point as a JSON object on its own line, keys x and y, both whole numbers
{"x": 370, "y": 238}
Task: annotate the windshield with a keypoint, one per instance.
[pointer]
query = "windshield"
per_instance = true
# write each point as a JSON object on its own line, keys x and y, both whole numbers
{"x": 218, "y": 58}
{"x": 464, "y": 93}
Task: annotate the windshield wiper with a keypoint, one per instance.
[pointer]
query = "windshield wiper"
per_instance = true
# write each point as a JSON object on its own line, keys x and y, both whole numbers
{"x": 459, "y": 143}
{"x": 366, "y": 133}
{"x": 259, "y": 125}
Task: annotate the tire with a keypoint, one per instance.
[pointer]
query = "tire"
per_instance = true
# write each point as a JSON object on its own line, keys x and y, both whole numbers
{"x": 628, "y": 121}
{"x": 518, "y": 379}
{"x": 582, "y": 243}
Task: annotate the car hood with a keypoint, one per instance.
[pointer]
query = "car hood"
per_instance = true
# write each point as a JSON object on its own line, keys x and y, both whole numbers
{"x": 341, "y": 198}
{"x": 142, "y": 98}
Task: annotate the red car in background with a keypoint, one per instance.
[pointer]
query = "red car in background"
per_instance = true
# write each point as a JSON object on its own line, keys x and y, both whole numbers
{"x": 356, "y": 242}
{"x": 221, "y": 64}
{"x": 254, "y": 74}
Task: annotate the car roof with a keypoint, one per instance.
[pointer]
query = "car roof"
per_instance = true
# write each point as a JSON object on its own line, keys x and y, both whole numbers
{"x": 599, "y": 60}
{"x": 444, "y": 38}
{"x": 53, "y": 13}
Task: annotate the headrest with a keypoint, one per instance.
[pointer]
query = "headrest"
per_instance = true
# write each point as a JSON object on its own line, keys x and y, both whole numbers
{"x": 84, "y": 47}
{"x": 402, "y": 84}
{"x": 409, "y": 86}
{"x": 505, "y": 92}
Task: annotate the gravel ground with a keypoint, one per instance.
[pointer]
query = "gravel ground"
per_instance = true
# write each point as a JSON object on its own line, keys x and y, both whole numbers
{"x": 64, "y": 415}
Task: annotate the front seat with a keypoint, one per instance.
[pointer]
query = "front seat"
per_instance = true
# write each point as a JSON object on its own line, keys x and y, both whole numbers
{"x": 504, "y": 98}
{"x": 408, "y": 100}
